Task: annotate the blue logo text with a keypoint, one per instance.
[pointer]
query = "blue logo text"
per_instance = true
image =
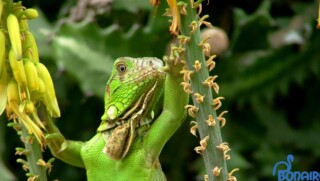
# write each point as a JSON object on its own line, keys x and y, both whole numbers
{"x": 289, "y": 175}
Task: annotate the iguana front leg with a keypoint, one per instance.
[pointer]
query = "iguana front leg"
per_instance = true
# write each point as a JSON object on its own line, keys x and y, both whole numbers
{"x": 173, "y": 113}
{"x": 66, "y": 150}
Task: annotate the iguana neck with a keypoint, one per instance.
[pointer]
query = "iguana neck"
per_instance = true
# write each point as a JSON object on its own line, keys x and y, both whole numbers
{"x": 121, "y": 134}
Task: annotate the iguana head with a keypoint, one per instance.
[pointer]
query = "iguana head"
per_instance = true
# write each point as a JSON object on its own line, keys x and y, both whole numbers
{"x": 131, "y": 93}
{"x": 130, "y": 80}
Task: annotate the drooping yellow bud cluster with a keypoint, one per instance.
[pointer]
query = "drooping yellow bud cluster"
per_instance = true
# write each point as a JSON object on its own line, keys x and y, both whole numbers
{"x": 25, "y": 83}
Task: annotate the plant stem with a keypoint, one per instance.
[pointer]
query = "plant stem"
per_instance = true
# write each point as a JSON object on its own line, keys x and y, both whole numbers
{"x": 33, "y": 156}
{"x": 212, "y": 156}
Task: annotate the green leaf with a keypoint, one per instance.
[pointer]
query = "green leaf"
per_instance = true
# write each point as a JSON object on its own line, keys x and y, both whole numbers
{"x": 263, "y": 73}
{"x": 251, "y": 30}
{"x": 87, "y": 51}
{"x": 132, "y": 5}
{"x": 87, "y": 62}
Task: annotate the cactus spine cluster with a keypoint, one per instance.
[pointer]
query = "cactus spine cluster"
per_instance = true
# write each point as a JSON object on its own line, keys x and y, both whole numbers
{"x": 25, "y": 85}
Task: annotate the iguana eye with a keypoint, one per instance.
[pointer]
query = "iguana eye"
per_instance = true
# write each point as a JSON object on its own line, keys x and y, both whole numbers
{"x": 121, "y": 68}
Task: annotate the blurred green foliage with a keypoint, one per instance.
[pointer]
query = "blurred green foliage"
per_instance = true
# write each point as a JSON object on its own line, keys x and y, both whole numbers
{"x": 269, "y": 77}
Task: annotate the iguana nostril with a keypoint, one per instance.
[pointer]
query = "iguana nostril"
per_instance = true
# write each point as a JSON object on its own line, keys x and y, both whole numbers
{"x": 151, "y": 63}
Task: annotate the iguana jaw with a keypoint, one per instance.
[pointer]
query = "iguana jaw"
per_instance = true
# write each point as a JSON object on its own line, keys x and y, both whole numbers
{"x": 122, "y": 136}
{"x": 120, "y": 121}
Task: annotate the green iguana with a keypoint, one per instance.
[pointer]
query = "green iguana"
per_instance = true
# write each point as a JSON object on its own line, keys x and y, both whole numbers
{"x": 129, "y": 139}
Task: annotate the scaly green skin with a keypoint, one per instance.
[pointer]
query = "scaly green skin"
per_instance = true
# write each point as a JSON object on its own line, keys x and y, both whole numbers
{"x": 107, "y": 160}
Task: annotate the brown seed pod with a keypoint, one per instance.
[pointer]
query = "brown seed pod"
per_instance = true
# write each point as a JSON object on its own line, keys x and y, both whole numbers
{"x": 218, "y": 40}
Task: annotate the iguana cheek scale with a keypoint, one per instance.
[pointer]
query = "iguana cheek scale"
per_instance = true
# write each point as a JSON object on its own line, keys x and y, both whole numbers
{"x": 130, "y": 136}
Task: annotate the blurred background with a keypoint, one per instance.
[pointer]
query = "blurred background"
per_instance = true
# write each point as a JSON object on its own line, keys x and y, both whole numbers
{"x": 269, "y": 74}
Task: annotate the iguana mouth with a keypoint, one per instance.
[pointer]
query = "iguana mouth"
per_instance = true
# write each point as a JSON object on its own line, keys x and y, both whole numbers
{"x": 121, "y": 133}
